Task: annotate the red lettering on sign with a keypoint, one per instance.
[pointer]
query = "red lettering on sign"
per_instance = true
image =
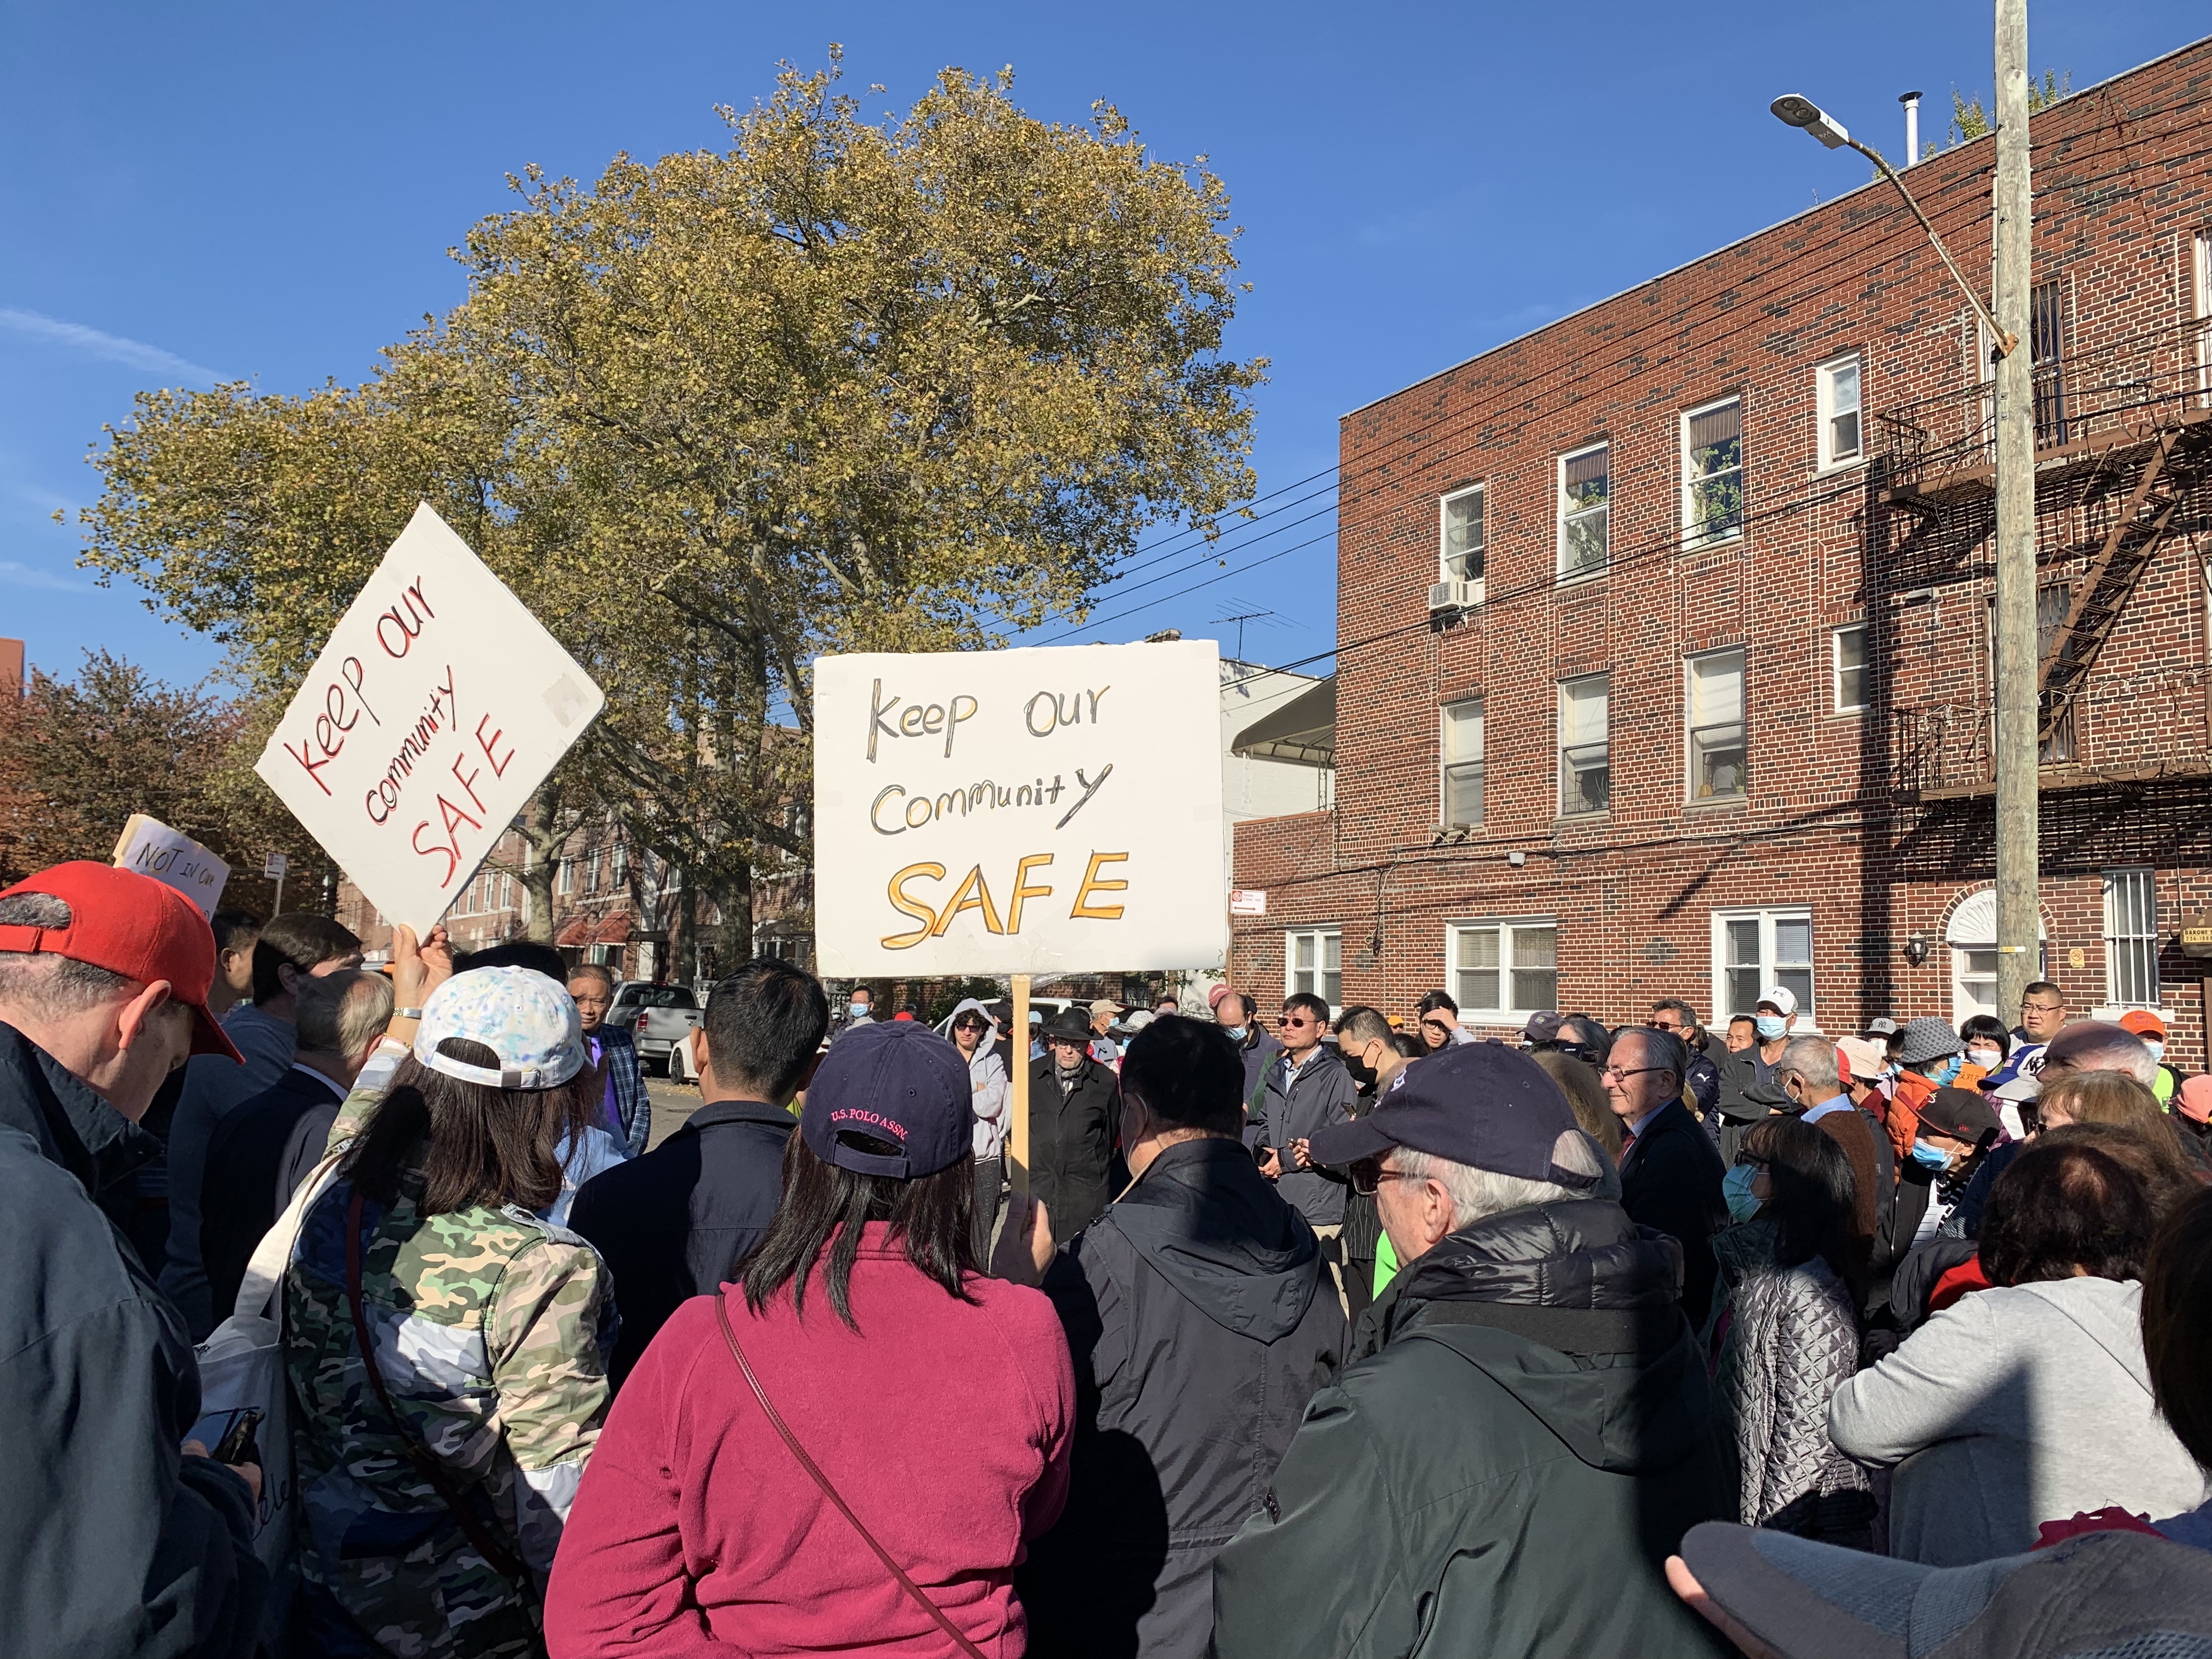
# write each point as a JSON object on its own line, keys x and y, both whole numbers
{"x": 469, "y": 782}
{"x": 498, "y": 766}
{"x": 452, "y": 857}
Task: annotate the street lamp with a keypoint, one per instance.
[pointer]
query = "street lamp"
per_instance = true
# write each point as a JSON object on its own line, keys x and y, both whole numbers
{"x": 1794, "y": 110}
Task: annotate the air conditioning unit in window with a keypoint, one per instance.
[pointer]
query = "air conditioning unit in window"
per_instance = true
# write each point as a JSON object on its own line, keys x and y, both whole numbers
{"x": 1455, "y": 595}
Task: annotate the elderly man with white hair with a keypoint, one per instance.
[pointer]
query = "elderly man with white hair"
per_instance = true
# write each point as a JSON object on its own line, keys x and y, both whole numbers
{"x": 1525, "y": 1403}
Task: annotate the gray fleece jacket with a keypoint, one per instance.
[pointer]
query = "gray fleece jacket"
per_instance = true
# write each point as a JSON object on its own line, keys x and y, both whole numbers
{"x": 2015, "y": 1407}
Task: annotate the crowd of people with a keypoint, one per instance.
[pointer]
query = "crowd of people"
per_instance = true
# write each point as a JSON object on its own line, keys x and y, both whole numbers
{"x": 1329, "y": 1333}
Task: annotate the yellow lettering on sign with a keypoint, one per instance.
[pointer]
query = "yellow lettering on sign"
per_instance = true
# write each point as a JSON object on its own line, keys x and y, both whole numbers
{"x": 896, "y": 891}
{"x": 1093, "y": 882}
{"x": 972, "y": 894}
{"x": 1023, "y": 890}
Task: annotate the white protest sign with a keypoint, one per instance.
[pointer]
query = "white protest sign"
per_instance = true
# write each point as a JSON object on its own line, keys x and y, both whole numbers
{"x": 152, "y": 848}
{"x": 436, "y": 709}
{"x": 1041, "y": 811}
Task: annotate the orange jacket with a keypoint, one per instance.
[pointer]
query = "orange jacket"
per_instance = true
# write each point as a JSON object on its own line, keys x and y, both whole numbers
{"x": 1913, "y": 1091}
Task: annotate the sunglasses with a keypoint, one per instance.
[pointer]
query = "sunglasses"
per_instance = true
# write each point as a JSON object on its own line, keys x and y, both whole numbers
{"x": 1368, "y": 1175}
{"x": 1296, "y": 1019}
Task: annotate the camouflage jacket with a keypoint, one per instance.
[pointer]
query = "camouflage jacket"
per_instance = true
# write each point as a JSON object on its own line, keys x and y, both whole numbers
{"x": 492, "y": 1330}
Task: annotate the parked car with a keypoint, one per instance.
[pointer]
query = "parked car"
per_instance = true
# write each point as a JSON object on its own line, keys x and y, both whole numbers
{"x": 657, "y": 1018}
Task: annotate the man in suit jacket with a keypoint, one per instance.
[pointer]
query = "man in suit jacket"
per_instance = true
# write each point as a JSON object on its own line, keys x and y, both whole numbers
{"x": 244, "y": 1183}
{"x": 673, "y": 1224}
{"x": 1670, "y": 1173}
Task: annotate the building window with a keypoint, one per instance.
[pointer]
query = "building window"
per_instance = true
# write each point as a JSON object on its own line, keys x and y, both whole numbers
{"x": 1460, "y": 553}
{"x": 1460, "y": 793}
{"x": 2130, "y": 939}
{"x": 1585, "y": 752}
{"x": 2046, "y": 334}
{"x": 1314, "y": 960}
{"x": 1848, "y": 668}
{"x": 2052, "y": 601}
{"x": 1755, "y": 948}
{"x": 1841, "y": 439}
{"x": 1503, "y": 971}
{"x": 506, "y": 892}
{"x": 592, "y": 871}
{"x": 1715, "y": 711}
{"x": 1712, "y": 473}
{"x": 1582, "y": 495}
{"x": 568, "y": 875}
{"x": 622, "y": 862}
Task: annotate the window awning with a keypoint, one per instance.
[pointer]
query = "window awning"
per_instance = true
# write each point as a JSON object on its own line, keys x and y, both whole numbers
{"x": 1303, "y": 731}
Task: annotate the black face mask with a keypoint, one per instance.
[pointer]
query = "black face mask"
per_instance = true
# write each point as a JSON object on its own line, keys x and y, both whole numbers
{"x": 1363, "y": 1076}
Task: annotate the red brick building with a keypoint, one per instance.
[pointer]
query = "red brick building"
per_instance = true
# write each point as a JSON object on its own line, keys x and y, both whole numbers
{"x": 1665, "y": 637}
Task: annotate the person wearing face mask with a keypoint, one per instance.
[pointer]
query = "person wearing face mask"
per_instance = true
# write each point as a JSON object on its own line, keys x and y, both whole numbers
{"x": 1201, "y": 1320}
{"x": 1748, "y": 1089}
{"x": 1234, "y": 1012}
{"x": 2146, "y": 1024}
{"x": 1369, "y": 1048}
{"x": 1930, "y": 1054}
{"x": 859, "y": 1010}
{"x": 1787, "y": 1299}
{"x": 1955, "y": 1128}
{"x": 1988, "y": 1045}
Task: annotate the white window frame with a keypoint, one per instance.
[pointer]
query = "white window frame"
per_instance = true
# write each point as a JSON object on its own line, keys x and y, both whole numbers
{"x": 1690, "y": 752}
{"x": 1566, "y": 770}
{"x": 592, "y": 871}
{"x": 1693, "y": 533}
{"x": 1508, "y": 929}
{"x": 568, "y": 875}
{"x": 1567, "y": 512}
{"x": 1768, "y": 967}
{"x": 2131, "y": 936}
{"x": 1836, "y": 703}
{"x": 1321, "y": 938}
{"x": 1825, "y": 394}
{"x": 1445, "y": 558}
{"x": 1447, "y": 763}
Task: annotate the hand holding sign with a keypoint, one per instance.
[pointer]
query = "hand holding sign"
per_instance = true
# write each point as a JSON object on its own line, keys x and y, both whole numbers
{"x": 434, "y": 712}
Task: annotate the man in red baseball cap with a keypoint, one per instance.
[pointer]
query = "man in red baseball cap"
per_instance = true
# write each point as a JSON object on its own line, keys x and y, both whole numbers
{"x": 115, "y": 1541}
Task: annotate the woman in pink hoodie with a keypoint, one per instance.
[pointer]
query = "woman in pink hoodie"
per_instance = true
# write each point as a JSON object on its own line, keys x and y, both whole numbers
{"x": 908, "y": 1434}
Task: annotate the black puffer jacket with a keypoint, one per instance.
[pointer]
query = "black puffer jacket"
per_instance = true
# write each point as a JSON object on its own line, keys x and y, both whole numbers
{"x": 1202, "y": 1321}
{"x": 1527, "y": 1408}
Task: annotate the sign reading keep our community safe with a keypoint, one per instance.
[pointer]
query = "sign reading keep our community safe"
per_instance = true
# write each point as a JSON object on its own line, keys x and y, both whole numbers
{"x": 1028, "y": 811}
{"x": 435, "y": 710}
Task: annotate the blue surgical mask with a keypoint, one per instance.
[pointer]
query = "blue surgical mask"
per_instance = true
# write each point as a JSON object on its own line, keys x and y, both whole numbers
{"x": 1238, "y": 1033}
{"x": 1947, "y": 1074}
{"x": 856, "y": 1009}
{"x": 2157, "y": 1049}
{"x": 1770, "y": 1026}
{"x": 1736, "y": 1189}
{"x": 1931, "y": 1157}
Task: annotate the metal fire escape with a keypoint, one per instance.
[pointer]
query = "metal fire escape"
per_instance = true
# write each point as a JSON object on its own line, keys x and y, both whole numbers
{"x": 2123, "y": 437}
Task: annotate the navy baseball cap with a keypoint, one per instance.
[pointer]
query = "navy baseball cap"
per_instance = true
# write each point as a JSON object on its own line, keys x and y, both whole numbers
{"x": 898, "y": 1083}
{"x": 1480, "y": 1103}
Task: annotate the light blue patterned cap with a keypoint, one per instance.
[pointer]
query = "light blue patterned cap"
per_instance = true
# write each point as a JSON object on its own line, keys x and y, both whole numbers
{"x": 519, "y": 1014}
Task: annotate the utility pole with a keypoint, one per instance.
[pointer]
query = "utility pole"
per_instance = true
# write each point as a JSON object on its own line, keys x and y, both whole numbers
{"x": 2018, "y": 664}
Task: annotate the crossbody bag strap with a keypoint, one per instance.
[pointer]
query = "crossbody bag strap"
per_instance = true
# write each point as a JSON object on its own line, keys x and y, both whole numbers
{"x": 814, "y": 1469}
{"x": 503, "y": 1561}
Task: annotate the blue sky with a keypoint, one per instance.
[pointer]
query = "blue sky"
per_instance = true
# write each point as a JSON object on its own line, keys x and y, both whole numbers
{"x": 268, "y": 192}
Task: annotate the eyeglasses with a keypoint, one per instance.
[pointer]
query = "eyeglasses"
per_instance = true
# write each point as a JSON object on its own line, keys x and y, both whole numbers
{"x": 1296, "y": 1019}
{"x": 1750, "y": 1161}
{"x": 1656, "y": 1026}
{"x": 972, "y": 1025}
{"x": 1620, "y": 1076}
{"x": 2041, "y": 1007}
{"x": 1368, "y": 1175}
{"x": 1444, "y": 1025}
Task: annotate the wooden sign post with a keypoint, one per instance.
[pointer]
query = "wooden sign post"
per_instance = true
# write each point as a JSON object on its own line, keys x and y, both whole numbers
{"x": 1017, "y": 1090}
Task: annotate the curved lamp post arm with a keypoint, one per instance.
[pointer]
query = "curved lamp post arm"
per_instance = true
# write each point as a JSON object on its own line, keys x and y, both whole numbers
{"x": 2007, "y": 343}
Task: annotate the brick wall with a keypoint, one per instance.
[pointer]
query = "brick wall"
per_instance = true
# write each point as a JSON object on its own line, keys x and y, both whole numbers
{"x": 1840, "y": 821}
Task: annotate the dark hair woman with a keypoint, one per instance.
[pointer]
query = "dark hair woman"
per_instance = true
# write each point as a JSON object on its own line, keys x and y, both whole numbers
{"x": 1439, "y": 1025}
{"x": 850, "y": 1447}
{"x": 1792, "y": 1333}
{"x": 1987, "y": 1043}
{"x": 437, "y": 1475}
{"x": 2030, "y": 1400}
